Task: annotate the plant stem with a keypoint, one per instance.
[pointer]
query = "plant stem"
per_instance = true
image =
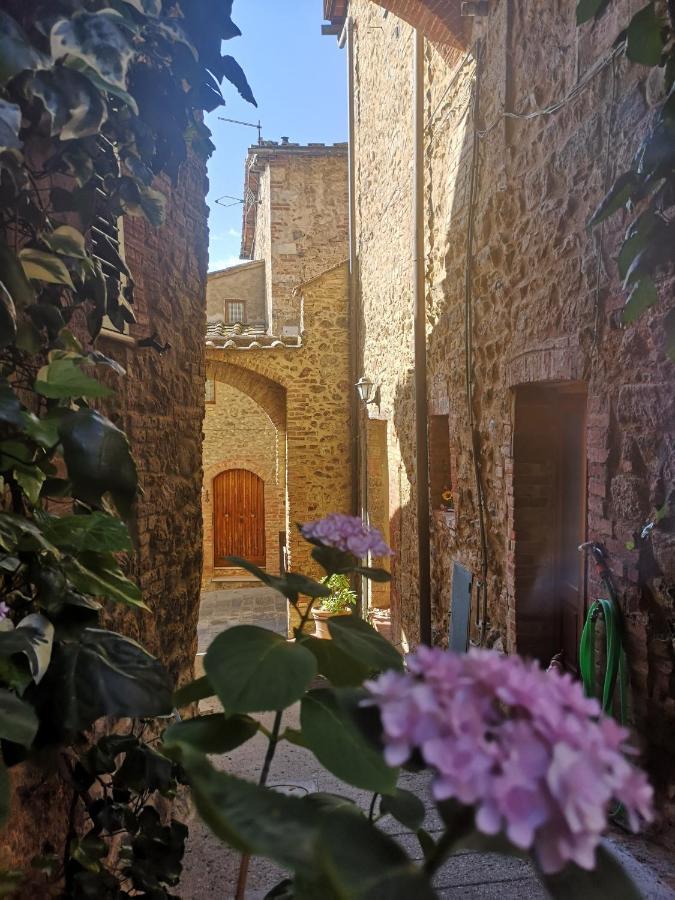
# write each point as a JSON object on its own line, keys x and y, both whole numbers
{"x": 262, "y": 781}
{"x": 371, "y": 811}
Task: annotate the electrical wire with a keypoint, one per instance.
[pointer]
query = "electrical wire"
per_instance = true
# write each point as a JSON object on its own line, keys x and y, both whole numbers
{"x": 468, "y": 346}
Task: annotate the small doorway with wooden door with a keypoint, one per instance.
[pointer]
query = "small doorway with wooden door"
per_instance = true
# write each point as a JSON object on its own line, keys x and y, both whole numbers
{"x": 238, "y": 517}
{"x": 549, "y": 455}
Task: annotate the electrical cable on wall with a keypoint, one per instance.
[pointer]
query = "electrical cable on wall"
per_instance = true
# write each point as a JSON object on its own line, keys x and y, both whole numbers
{"x": 468, "y": 344}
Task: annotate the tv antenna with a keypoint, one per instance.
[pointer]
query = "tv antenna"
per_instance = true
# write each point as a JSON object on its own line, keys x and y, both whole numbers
{"x": 258, "y": 127}
{"x": 235, "y": 201}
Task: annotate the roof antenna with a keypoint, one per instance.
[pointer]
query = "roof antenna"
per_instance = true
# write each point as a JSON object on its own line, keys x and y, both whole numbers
{"x": 247, "y": 124}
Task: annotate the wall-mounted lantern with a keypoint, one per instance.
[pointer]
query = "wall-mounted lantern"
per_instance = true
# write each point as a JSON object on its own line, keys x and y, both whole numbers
{"x": 366, "y": 390}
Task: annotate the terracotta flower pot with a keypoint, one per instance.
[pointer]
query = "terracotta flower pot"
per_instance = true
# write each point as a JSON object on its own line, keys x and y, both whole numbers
{"x": 321, "y": 618}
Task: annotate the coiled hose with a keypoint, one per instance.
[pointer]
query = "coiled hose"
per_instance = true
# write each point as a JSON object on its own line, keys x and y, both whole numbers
{"x": 616, "y": 668}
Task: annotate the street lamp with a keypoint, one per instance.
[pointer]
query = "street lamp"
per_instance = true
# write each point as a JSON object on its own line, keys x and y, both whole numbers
{"x": 366, "y": 390}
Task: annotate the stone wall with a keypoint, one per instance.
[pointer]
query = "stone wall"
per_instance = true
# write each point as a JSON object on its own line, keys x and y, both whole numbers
{"x": 306, "y": 390}
{"x": 544, "y": 298}
{"x": 238, "y": 434}
{"x": 160, "y": 405}
{"x": 245, "y": 282}
{"x": 300, "y": 212}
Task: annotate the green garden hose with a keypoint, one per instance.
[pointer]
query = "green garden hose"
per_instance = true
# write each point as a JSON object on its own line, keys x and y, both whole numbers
{"x": 615, "y": 658}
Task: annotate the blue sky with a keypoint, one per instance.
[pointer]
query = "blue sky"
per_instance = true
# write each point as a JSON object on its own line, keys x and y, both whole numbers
{"x": 299, "y": 80}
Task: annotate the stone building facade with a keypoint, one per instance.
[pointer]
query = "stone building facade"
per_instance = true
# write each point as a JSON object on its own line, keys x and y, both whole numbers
{"x": 160, "y": 405}
{"x": 280, "y": 375}
{"x": 545, "y": 420}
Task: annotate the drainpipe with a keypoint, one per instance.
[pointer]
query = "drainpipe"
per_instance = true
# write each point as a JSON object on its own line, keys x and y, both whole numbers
{"x": 357, "y": 449}
{"x": 421, "y": 402}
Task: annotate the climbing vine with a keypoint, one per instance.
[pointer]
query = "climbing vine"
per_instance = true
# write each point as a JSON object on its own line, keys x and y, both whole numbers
{"x": 100, "y": 103}
{"x": 647, "y": 189}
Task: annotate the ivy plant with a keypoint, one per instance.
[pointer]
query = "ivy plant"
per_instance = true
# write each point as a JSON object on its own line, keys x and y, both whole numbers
{"x": 101, "y": 101}
{"x": 647, "y": 189}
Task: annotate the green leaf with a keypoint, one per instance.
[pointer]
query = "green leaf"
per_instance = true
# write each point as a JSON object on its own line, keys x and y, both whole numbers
{"x": 427, "y": 843}
{"x": 100, "y": 84}
{"x": 365, "y": 864}
{"x": 341, "y": 669}
{"x": 359, "y": 640}
{"x": 253, "y": 819}
{"x": 18, "y": 722}
{"x": 44, "y": 431}
{"x": 13, "y": 277}
{"x": 10, "y": 405}
{"x": 644, "y": 37}
{"x": 30, "y": 479}
{"x": 254, "y": 670}
{"x": 19, "y": 533}
{"x": 636, "y": 240}
{"x": 7, "y": 318}
{"x": 67, "y": 241}
{"x": 94, "y": 531}
{"x": 64, "y": 378}
{"x": 379, "y": 575}
{"x": 95, "y": 39}
{"x": 616, "y": 198}
{"x": 10, "y": 125}
{"x": 607, "y": 881}
{"x": 290, "y": 585}
{"x": 39, "y": 634}
{"x": 405, "y": 807}
{"x": 42, "y": 266}
{"x": 193, "y": 692}
{"x": 211, "y": 734}
{"x": 102, "y": 577}
{"x": 147, "y": 7}
{"x": 16, "y": 52}
{"x": 105, "y": 674}
{"x": 229, "y": 68}
{"x": 75, "y": 106}
{"x": 334, "y": 734}
{"x": 98, "y": 459}
{"x": 643, "y": 295}
{"x": 589, "y": 9}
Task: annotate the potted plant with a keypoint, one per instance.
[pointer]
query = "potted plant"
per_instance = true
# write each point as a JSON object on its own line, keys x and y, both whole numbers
{"x": 339, "y": 603}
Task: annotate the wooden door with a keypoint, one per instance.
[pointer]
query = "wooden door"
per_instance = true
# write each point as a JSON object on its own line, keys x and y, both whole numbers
{"x": 238, "y": 517}
{"x": 550, "y": 517}
{"x": 572, "y": 521}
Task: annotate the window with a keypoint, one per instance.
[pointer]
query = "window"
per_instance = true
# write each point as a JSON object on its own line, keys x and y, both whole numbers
{"x": 234, "y": 312}
{"x": 440, "y": 474}
{"x": 210, "y": 390}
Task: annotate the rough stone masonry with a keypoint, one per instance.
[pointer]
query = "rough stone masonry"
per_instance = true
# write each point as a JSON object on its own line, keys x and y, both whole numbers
{"x": 573, "y": 414}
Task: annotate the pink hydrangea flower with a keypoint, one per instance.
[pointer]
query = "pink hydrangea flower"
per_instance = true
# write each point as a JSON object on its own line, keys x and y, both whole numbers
{"x": 526, "y": 748}
{"x": 4, "y": 610}
{"x": 347, "y": 533}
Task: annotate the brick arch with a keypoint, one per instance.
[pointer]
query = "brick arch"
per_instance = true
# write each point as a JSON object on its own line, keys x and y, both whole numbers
{"x": 268, "y": 394}
{"x": 439, "y": 20}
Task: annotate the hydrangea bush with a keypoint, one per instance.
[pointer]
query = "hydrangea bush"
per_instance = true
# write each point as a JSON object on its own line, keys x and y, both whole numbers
{"x": 519, "y": 760}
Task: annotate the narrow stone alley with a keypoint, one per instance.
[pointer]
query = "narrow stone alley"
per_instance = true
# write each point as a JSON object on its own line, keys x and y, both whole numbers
{"x": 211, "y": 868}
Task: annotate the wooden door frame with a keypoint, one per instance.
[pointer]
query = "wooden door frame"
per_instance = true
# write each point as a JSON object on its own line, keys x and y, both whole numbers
{"x": 218, "y": 561}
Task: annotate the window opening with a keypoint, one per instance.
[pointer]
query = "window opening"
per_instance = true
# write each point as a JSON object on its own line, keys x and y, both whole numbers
{"x": 234, "y": 312}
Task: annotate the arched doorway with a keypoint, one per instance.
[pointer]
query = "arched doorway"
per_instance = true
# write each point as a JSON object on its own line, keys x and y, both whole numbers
{"x": 238, "y": 517}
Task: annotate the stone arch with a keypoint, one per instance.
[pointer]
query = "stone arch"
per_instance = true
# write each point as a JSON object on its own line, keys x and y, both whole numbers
{"x": 268, "y": 394}
{"x": 440, "y": 20}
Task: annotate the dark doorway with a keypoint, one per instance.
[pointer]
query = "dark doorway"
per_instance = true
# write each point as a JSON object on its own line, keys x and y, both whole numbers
{"x": 550, "y": 519}
{"x": 238, "y": 517}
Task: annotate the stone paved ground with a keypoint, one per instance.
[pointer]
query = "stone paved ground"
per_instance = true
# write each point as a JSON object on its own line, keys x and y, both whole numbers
{"x": 211, "y": 868}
